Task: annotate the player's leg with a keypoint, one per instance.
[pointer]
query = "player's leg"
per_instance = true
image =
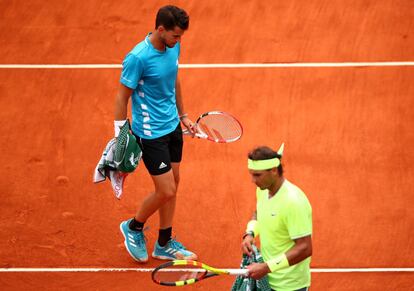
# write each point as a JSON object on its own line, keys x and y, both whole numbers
{"x": 167, "y": 210}
{"x": 175, "y": 151}
{"x": 163, "y": 196}
{"x": 167, "y": 247}
{"x": 157, "y": 161}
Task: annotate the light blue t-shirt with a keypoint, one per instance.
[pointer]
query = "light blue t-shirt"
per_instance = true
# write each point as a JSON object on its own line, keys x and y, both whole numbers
{"x": 152, "y": 75}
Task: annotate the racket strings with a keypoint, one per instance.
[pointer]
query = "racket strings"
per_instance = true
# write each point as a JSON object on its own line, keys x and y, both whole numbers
{"x": 178, "y": 273}
{"x": 220, "y": 127}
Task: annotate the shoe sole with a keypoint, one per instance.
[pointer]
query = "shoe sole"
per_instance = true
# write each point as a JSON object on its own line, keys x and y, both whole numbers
{"x": 193, "y": 258}
{"x": 126, "y": 246}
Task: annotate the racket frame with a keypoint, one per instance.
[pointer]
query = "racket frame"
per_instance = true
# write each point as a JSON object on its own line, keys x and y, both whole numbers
{"x": 208, "y": 272}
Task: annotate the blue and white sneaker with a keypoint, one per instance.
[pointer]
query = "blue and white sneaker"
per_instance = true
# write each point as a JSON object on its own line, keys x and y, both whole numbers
{"x": 134, "y": 242}
{"x": 173, "y": 250}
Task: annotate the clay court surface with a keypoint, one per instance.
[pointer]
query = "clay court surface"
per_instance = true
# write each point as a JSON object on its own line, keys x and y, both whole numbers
{"x": 348, "y": 134}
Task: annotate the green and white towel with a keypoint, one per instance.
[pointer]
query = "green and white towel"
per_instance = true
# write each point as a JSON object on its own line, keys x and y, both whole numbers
{"x": 248, "y": 284}
{"x": 106, "y": 167}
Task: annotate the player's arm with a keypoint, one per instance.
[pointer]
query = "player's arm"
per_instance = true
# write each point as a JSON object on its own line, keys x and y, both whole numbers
{"x": 121, "y": 107}
{"x": 299, "y": 252}
{"x": 179, "y": 98}
{"x": 180, "y": 107}
{"x": 249, "y": 235}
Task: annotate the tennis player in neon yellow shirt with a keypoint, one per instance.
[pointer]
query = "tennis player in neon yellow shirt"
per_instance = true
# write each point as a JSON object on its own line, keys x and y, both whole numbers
{"x": 283, "y": 221}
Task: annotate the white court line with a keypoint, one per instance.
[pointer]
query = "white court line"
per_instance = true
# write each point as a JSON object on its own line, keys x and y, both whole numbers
{"x": 143, "y": 270}
{"x": 216, "y": 66}
{"x": 204, "y": 66}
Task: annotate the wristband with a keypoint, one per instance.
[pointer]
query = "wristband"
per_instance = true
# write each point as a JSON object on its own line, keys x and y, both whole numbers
{"x": 281, "y": 262}
{"x": 117, "y": 126}
{"x": 248, "y": 233}
{"x": 252, "y": 227}
{"x": 182, "y": 116}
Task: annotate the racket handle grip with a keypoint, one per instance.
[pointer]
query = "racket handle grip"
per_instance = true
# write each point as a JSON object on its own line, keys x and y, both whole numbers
{"x": 197, "y": 134}
{"x": 238, "y": 272}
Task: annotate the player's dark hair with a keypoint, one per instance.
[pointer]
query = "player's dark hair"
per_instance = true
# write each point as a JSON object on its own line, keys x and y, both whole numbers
{"x": 171, "y": 16}
{"x": 265, "y": 153}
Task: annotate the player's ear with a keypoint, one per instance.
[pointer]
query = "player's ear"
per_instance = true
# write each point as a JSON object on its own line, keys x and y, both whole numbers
{"x": 274, "y": 171}
{"x": 160, "y": 28}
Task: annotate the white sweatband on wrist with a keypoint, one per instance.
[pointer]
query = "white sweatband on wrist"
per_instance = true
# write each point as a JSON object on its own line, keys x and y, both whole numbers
{"x": 117, "y": 126}
{"x": 252, "y": 227}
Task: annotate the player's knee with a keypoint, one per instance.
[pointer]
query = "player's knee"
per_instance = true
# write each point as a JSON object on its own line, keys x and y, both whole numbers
{"x": 168, "y": 194}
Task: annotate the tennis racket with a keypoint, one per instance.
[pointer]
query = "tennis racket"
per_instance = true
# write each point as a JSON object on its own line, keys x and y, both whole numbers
{"x": 217, "y": 126}
{"x": 186, "y": 272}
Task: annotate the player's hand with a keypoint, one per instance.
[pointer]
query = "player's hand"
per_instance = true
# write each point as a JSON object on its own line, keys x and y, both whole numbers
{"x": 191, "y": 126}
{"x": 258, "y": 270}
{"x": 246, "y": 245}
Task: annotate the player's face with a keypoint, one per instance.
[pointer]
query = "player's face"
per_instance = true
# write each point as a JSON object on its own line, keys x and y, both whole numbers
{"x": 171, "y": 37}
{"x": 262, "y": 179}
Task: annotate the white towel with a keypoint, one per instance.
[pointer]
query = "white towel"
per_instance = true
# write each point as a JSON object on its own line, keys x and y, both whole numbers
{"x": 106, "y": 168}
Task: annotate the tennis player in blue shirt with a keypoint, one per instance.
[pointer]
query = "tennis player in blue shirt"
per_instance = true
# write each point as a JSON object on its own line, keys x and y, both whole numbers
{"x": 149, "y": 78}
